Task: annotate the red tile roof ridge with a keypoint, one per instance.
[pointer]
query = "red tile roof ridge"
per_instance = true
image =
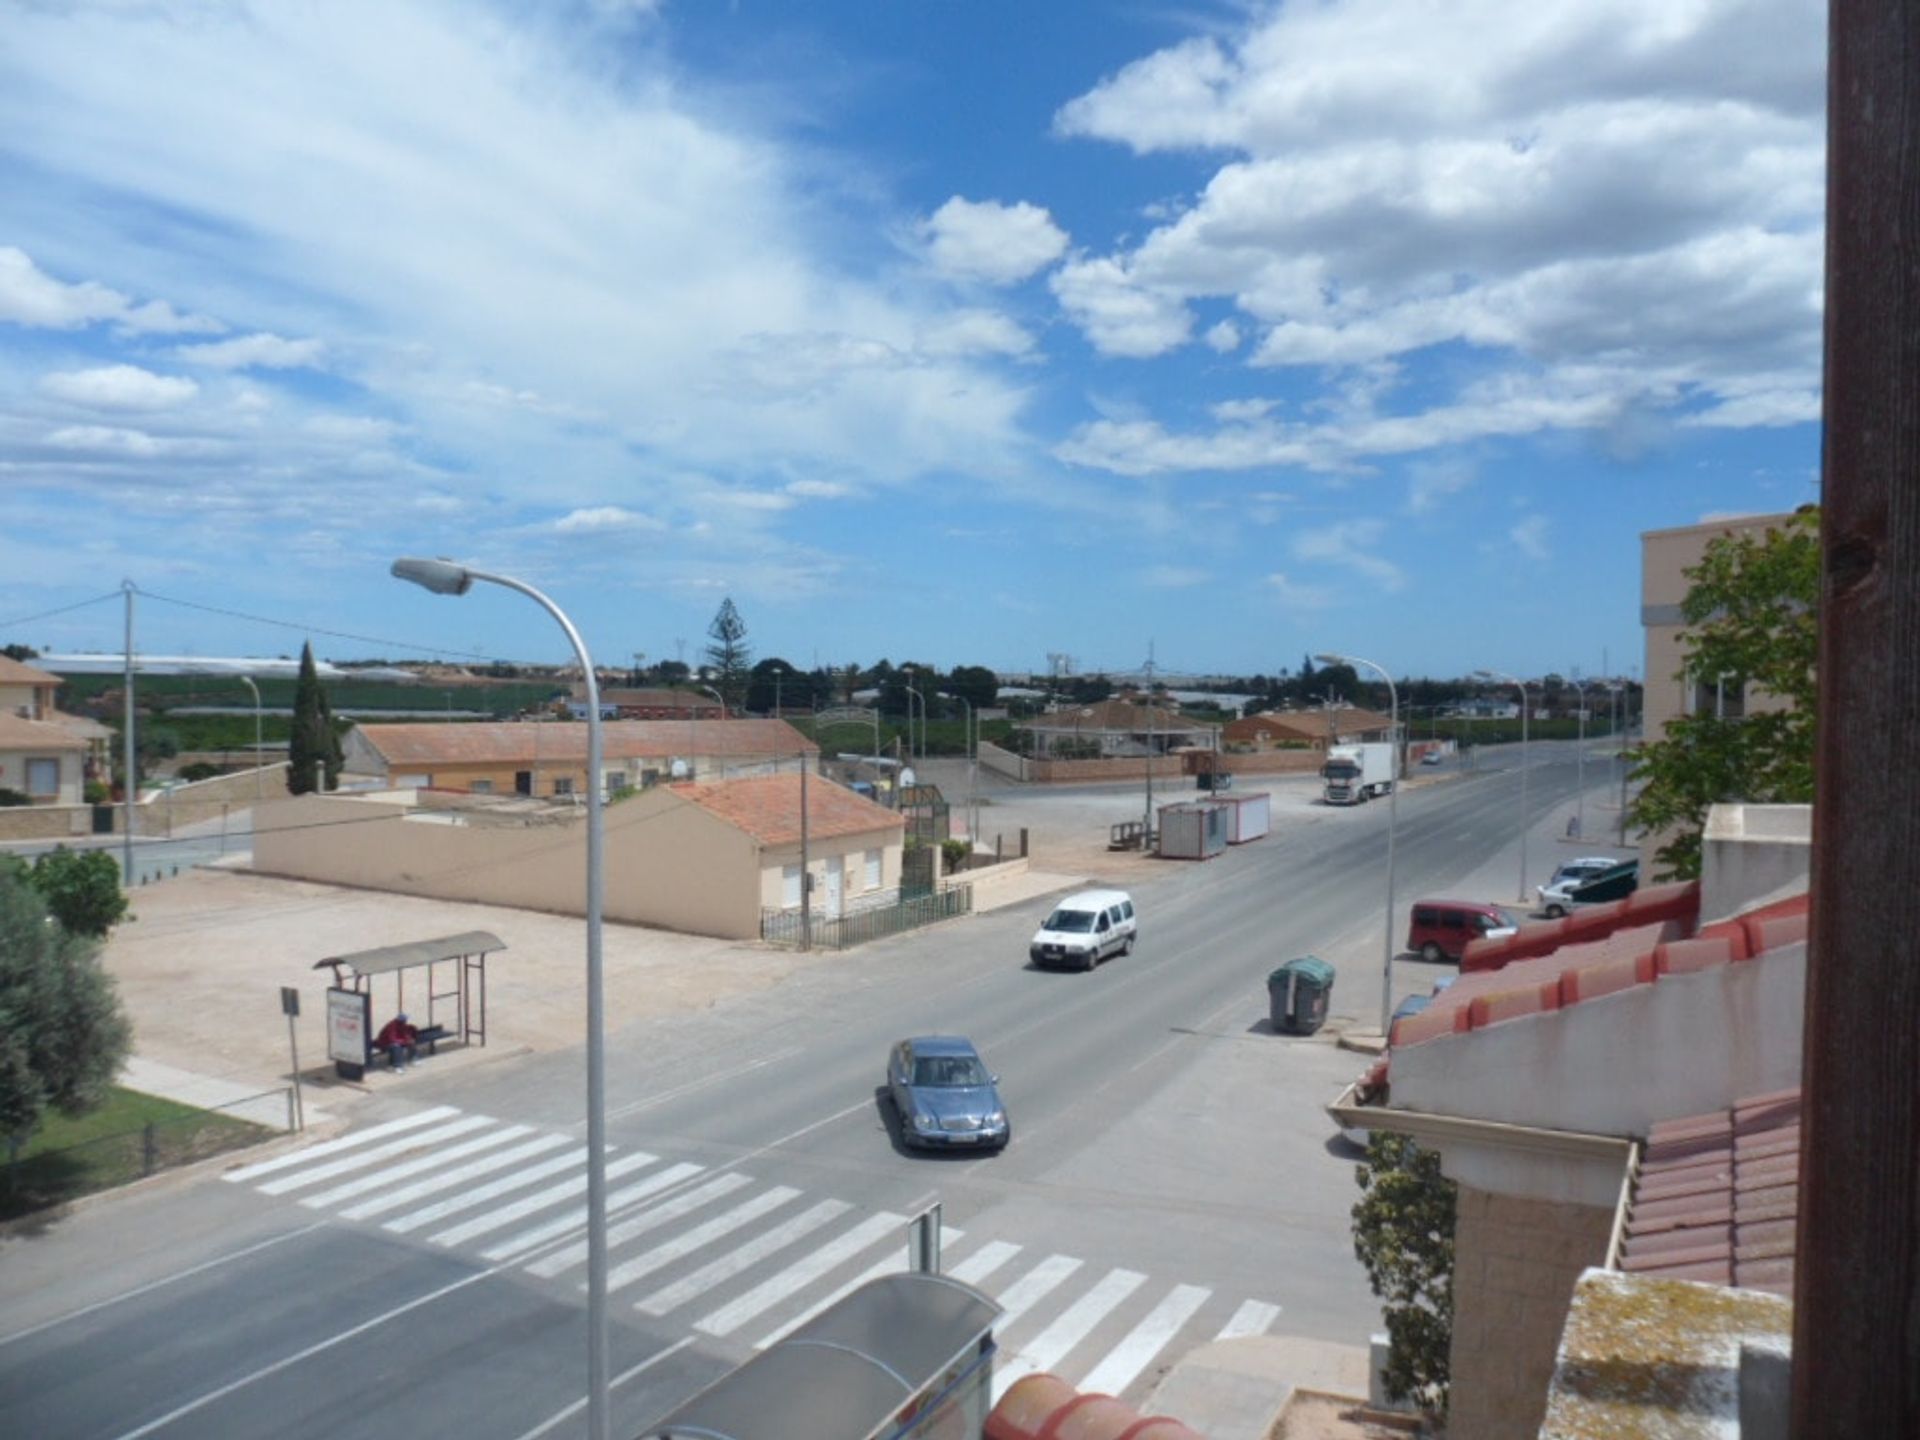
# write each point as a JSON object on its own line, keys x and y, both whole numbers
{"x": 768, "y": 807}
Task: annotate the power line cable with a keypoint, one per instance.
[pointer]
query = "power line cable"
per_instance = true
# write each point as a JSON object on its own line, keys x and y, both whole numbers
{"x": 44, "y": 614}
{"x": 335, "y": 634}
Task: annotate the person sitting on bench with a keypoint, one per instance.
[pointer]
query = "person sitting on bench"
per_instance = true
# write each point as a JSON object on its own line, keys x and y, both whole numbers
{"x": 397, "y": 1038}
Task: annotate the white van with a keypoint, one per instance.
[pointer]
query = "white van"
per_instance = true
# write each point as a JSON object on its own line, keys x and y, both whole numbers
{"x": 1084, "y": 929}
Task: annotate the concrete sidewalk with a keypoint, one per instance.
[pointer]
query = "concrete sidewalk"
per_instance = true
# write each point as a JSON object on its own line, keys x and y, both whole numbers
{"x": 209, "y": 1092}
{"x": 1234, "y": 1389}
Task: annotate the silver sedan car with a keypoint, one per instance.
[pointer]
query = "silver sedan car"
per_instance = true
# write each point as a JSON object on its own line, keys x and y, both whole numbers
{"x": 944, "y": 1095}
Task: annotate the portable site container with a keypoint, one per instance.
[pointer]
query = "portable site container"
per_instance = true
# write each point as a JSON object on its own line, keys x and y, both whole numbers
{"x": 1248, "y": 816}
{"x": 1193, "y": 831}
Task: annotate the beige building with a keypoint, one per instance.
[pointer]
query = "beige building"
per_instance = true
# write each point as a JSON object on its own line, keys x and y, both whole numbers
{"x": 549, "y": 758}
{"x": 1665, "y": 556}
{"x": 41, "y": 760}
{"x": 702, "y": 858}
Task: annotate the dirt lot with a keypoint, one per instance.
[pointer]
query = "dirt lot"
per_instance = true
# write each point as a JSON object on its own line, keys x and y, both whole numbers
{"x": 201, "y": 968}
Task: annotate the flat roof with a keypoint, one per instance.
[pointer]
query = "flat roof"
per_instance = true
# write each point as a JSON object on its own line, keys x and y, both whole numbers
{"x": 388, "y": 958}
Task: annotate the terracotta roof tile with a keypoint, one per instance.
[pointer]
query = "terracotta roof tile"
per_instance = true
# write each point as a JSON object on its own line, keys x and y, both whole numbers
{"x": 1678, "y": 1229}
{"x": 767, "y": 807}
{"x": 418, "y": 746}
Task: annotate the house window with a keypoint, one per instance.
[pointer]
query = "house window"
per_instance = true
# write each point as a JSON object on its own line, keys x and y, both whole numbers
{"x": 1726, "y": 699}
{"x": 873, "y": 869}
{"x": 616, "y": 780}
{"x": 563, "y": 785}
{"x": 481, "y": 787}
{"x": 43, "y": 777}
{"x": 790, "y": 887}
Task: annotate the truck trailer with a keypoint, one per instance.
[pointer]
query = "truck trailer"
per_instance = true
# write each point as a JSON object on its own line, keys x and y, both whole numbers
{"x": 1357, "y": 772}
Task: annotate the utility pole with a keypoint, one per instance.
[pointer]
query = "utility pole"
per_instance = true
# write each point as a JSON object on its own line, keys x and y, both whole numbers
{"x": 132, "y": 787}
{"x": 806, "y": 869}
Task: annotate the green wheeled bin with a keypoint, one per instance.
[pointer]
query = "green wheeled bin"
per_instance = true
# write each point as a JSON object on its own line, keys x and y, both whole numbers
{"x": 1298, "y": 994}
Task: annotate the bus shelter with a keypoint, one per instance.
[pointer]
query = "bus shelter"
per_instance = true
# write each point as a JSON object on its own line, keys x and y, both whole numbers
{"x": 904, "y": 1357}
{"x": 460, "y": 996}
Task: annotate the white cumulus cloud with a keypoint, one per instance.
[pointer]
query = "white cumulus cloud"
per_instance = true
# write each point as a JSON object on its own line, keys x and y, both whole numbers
{"x": 1349, "y": 544}
{"x": 246, "y": 352}
{"x": 1529, "y": 537}
{"x": 986, "y": 240}
{"x": 119, "y": 387}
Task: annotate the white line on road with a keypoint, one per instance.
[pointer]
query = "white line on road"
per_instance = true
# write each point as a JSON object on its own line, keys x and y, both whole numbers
{"x": 447, "y": 1179}
{"x": 168, "y": 1280}
{"x": 1032, "y": 1287}
{"x": 1074, "y": 1324}
{"x": 796, "y": 1277}
{"x": 705, "y": 1080}
{"x": 1146, "y": 1340}
{"x": 895, "y": 1264}
{"x": 688, "y": 1241}
{"x": 333, "y": 1147}
{"x": 377, "y": 1153}
{"x": 625, "y": 1375}
{"x": 307, "y": 1354}
{"x": 984, "y": 1261}
{"x": 532, "y": 1204}
{"x": 479, "y": 1195}
{"x": 669, "y": 1298}
{"x": 652, "y": 1217}
{"x": 1252, "y": 1318}
{"x": 407, "y": 1169}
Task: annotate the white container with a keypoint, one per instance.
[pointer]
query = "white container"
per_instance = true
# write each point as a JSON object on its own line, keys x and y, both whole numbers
{"x": 1248, "y": 816}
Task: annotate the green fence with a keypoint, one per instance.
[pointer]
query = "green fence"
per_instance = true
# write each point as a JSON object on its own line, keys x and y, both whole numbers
{"x": 782, "y": 927}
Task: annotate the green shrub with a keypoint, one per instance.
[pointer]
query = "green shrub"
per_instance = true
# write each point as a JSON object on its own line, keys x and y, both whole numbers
{"x": 13, "y": 797}
{"x": 1403, "y": 1236}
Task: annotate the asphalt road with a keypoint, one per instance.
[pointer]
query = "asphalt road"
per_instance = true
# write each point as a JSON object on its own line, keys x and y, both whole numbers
{"x": 1172, "y": 1177}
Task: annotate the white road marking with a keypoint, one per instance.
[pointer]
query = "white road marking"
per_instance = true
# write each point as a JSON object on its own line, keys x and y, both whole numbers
{"x": 650, "y": 1218}
{"x": 532, "y": 1204}
{"x": 480, "y": 1194}
{"x": 1146, "y": 1340}
{"x": 446, "y": 1179}
{"x": 165, "y": 1281}
{"x": 334, "y": 1147}
{"x": 896, "y": 1264}
{"x": 796, "y": 1277}
{"x": 405, "y": 1169}
{"x": 545, "y": 1426}
{"x": 688, "y": 1241}
{"x": 376, "y": 1154}
{"x": 1033, "y": 1287}
{"x": 674, "y": 1094}
{"x": 1252, "y": 1318}
{"x": 1074, "y": 1324}
{"x": 669, "y": 1298}
{"x": 307, "y": 1354}
{"x": 984, "y": 1261}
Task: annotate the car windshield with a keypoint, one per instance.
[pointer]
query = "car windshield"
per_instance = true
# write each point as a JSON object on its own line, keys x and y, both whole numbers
{"x": 948, "y": 1070}
{"x": 1505, "y": 920}
{"x": 1072, "y": 921}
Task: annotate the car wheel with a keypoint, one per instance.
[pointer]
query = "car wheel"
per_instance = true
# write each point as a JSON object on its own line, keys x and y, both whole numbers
{"x": 1431, "y": 953}
{"x": 1090, "y": 959}
{"x": 1128, "y": 949}
{"x": 1554, "y": 912}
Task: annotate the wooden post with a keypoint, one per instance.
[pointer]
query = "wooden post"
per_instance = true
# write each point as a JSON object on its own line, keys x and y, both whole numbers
{"x": 1856, "y": 1325}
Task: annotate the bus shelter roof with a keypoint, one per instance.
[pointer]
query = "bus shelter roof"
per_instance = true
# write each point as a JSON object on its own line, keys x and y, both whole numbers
{"x": 845, "y": 1374}
{"x": 389, "y": 958}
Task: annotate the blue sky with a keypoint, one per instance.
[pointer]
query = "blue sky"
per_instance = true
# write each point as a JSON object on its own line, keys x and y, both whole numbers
{"x": 961, "y": 333}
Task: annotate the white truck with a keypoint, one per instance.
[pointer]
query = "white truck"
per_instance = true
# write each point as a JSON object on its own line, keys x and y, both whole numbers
{"x": 1357, "y": 772}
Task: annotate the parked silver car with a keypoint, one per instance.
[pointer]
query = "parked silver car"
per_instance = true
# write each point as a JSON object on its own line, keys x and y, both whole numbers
{"x": 1569, "y": 876}
{"x": 945, "y": 1096}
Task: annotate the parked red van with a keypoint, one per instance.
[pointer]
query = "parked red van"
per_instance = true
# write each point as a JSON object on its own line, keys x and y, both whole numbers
{"x": 1442, "y": 928}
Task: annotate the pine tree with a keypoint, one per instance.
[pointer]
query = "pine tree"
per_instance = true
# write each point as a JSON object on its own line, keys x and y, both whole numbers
{"x": 728, "y": 655}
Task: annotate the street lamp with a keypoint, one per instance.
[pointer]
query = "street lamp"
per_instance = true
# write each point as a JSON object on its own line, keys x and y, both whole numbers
{"x": 259, "y": 753}
{"x": 913, "y": 695}
{"x": 691, "y": 741}
{"x": 1393, "y": 823}
{"x": 970, "y": 744}
{"x": 444, "y": 577}
{"x": 1502, "y": 675}
{"x": 1580, "y": 763}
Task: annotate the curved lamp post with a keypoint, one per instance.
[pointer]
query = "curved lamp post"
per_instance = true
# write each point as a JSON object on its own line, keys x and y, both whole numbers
{"x": 1512, "y": 680}
{"x": 445, "y": 577}
{"x": 259, "y": 752}
{"x": 1393, "y": 824}
{"x": 913, "y": 695}
{"x": 1580, "y": 763}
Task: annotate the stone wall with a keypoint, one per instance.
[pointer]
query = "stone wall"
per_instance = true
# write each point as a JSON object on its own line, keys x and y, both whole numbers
{"x": 1515, "y": 1264}
{"x": 185, "y": 805}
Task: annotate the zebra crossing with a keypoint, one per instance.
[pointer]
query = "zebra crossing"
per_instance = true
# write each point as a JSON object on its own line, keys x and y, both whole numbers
{"x": 734, "y": 1258}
